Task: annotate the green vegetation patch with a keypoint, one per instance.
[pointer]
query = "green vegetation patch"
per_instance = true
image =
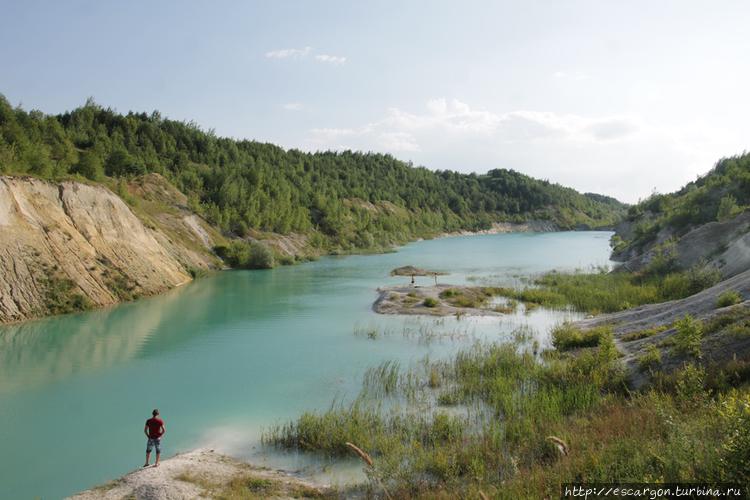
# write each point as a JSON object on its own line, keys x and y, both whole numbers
{"x": 61, "y": 296}
{"x": 606, "y": 292}
{"x": 688, "y": 336}
{"x": 522, "y": 412}
{"x": 720, "y": 195}
{"x": 246, "y": 255}
{"x": 430, "y": 302}
{"x": 466, "y": 297}
{"x": 650, "y": 359}
{"x": 729, "y": 298}
{"x": 566, "y": 337}
{"x": 643, "y": 334}
{"x": 735, "y": 322}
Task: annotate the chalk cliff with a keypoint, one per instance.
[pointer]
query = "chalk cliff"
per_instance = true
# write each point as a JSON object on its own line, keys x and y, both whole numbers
{"x": 69, "y": 246}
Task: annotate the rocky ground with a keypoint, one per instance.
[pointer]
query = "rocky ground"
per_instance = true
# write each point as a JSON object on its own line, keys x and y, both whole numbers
{"x": 205, "y": 474}
{"x": 724, "y": 245}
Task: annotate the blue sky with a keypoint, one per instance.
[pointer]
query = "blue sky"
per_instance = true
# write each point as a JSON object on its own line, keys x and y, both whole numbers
{"x": 619, "y": 98}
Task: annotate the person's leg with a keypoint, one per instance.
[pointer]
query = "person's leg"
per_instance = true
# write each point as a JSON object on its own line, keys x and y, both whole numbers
{"x": 148, "y": 452}
{"x": 158, "y": 451}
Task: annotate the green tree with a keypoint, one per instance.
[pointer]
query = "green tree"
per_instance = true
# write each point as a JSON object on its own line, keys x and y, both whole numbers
{"x": 727, "y": 208}
{"x": 89, "y": 165}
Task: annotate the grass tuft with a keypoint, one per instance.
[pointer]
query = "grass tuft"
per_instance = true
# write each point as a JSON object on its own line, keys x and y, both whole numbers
{"x": 729, "y": 298}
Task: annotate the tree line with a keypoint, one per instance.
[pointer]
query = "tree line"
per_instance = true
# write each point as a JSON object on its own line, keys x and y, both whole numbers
{"x": 342, "y": 200}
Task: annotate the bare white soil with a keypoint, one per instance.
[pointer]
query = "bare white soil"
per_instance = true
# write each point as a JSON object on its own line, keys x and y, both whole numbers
{"x": 186, "y": 476}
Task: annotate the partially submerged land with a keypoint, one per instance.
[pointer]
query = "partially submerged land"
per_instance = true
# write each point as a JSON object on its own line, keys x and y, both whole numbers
{"x": 414, "y": 271}
{"x": 442, "y": 300}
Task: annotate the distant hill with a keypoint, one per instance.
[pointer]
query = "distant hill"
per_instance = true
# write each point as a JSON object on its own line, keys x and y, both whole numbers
{"x": 705, "y": 221}
{"x": 339, "y": 201}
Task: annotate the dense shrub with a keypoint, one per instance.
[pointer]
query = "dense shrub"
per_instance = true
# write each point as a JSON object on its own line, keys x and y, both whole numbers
{"x": 566, "y": 337}
{"x": 246, "y": 255}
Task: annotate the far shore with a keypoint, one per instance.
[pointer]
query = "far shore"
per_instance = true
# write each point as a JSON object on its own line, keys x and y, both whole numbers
{"x": 532, "y": 226}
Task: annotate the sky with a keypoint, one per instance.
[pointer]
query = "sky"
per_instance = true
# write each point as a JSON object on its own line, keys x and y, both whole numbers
{"x": 619, "y": 98}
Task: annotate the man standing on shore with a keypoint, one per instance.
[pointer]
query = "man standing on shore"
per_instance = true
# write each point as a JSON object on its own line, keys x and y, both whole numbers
{"x": 154, "y": 430}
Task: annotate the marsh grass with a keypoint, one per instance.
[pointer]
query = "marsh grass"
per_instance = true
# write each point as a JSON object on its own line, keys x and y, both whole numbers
{"x": 495, "y": 405}
{"x": 371, "y": 332}
{"x": 605, "y": 292}
{"x": 509, "y": 307}
{"x": 514, "y": 398}
{"x": 381, "y": 380}
{"x": 426, "y": 334}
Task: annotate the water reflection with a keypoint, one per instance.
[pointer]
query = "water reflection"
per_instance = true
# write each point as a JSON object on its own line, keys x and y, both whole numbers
{"x": 51, "y": 349}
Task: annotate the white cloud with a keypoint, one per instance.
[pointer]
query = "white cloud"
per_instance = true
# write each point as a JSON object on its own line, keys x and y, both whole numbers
{"x": 303, "y": 53}
{"x": 544, "y": 125}
{"x": 292, "y": 106}
{"x": 398, "y": 141}
{"x": 450, "y": 115}
{"x": 452, "y": 120}
{"x": 333, "y": 134}
{"x": 326, "y": 58}
{"x": 286, "y": 53}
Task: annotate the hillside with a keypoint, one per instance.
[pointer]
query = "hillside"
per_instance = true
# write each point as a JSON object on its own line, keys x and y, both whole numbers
{"x": 337, "y": 201}
{"x": 705, "y": 221}
{"x": 69, "y": 246}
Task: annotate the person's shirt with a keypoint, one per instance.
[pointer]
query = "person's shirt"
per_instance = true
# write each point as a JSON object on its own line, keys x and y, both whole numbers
{"x": 154, "y": 425}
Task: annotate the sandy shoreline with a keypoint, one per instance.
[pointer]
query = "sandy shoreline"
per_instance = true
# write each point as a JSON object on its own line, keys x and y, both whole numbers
{"x": 532, "y": 226}
{"x": 204, "y": 473}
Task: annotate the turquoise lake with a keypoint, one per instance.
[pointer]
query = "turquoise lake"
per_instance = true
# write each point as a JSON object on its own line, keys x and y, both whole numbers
{"x": 227, "y": 356}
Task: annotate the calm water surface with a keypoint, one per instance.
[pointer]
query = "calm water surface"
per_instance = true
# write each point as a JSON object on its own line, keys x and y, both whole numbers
{"x": 227, "y": 356}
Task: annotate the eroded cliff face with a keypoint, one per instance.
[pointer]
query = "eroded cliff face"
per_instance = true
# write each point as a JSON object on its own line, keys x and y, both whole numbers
{"x": 69, "y": 246}
{"x": 725, "y": 245}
